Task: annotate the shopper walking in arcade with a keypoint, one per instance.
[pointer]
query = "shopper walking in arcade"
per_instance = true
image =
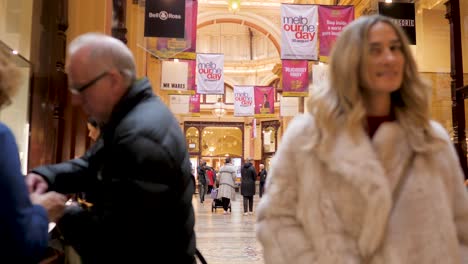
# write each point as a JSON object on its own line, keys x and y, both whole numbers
{"x": 366, "y": 176}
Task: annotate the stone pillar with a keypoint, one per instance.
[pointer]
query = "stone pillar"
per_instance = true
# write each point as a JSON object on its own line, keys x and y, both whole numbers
{"x": 456, "y": 73}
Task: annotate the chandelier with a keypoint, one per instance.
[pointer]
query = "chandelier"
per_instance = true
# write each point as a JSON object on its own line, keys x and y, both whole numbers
{"x": 219, "y": 109}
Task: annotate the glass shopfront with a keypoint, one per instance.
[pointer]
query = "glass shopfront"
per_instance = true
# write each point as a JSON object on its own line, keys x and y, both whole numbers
{"x": 15, "y": 40}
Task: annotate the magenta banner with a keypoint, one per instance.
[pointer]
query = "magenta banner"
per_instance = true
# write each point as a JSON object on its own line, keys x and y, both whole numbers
{"x": 295, "y": 78}
{"x": 192, "y": 65}
{"x": 332, "y": 20}
{"x": 264, "y": 101}
{"x": 181, "y": 48}
{"x": 194, "y": 107}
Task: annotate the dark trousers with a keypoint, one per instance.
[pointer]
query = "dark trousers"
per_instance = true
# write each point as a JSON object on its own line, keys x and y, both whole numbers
{"x": 226, "y": 202}
{"x": 249, "y": 200}
{"x": 202, "y": 191}
{"x": 261, "y": 188}
{"x": 81, "y": 231}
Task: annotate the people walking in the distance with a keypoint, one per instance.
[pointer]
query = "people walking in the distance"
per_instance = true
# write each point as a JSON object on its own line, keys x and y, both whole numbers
{"x": 262, "y": 175}
{"x": 249, "y": 176}
{"x": 227, "y": 186}
{"x": 202, "y": 180}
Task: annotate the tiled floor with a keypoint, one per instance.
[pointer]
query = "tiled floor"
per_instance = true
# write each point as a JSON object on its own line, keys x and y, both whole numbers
{"x": 226, "y": 239}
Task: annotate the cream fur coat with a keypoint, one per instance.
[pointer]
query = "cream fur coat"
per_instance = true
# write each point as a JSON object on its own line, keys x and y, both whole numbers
{"x": 335, "y": 207}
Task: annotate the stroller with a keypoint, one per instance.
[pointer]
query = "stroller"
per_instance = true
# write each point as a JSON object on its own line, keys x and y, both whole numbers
{"x": 217, "y": 203}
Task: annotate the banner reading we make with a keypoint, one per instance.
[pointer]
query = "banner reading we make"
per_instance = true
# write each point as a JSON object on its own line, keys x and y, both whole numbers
{"x": 210, "y": 75}
{"x": 299, "y": 32}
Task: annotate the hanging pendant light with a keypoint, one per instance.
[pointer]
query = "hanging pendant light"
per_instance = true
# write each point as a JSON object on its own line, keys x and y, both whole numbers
{"x": 219, "y": 109}
{"x": 234, "y": 5}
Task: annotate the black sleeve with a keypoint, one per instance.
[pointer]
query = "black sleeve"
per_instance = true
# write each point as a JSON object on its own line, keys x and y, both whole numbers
{"x": 71, "y": 176}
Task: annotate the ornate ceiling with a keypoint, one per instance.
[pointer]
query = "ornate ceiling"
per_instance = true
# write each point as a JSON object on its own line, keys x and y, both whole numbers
{"x": 250, "y": 37}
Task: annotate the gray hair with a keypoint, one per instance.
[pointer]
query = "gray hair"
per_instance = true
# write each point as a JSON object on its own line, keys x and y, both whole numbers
{"x": 106, "y": 52}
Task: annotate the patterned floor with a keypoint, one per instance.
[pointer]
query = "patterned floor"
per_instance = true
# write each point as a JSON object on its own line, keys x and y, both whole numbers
{"x": 226, "y": 239}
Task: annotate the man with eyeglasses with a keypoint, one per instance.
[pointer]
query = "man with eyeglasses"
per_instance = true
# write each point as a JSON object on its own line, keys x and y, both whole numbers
{"x": 138, "y": 173}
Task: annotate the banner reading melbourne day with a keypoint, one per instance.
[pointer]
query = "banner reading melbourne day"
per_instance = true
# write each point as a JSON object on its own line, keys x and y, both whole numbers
{"x": 174, "y": 75}
{"x": 165, "y": 19}
{"x": 295, "y": 78}
{"x": 332, "y": 20}
{"x": 403, "y": 14}
{"x": 264, "y": 101}
{"x": 210, "y": 76}
{"x": 299, "y": 32}
{"x": 181, "y": 48}
{"x": 243, "y": 100}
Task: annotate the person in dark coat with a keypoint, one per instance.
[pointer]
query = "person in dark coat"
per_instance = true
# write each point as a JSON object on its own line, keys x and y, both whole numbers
{"x": 203, "y": 185}
{"x": 262, "y": 175}
{"x": 24, "y": 217}
{"x": 138, "y": 173}
{"x": 249, "y": 175}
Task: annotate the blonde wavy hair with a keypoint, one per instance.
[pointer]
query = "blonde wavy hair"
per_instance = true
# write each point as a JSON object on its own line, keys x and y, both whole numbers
{"x": 9, "y": 79}
{"x": 340, "y": 104}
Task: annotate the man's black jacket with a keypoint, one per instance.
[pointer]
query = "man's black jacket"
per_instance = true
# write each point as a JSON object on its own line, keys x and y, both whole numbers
{"x": 138, "y": 178}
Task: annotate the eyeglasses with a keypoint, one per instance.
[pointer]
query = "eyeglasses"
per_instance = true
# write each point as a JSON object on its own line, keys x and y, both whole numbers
{"x": 80, "y": 89}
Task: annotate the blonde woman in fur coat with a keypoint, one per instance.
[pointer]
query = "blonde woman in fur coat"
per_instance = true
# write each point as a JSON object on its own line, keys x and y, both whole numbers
{"x": 375, "y": 180}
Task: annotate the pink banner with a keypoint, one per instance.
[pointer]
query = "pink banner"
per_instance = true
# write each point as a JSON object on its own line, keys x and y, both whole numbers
{"x": 192, "y": 65}
{"x": 254, "y": 128}
{"x": 332, "y": 20}
{"x": 182, "y": 48}
{"x": 295, "y": 78}
{"x": 194, "y": 107}
{"x": 264, "y": 101}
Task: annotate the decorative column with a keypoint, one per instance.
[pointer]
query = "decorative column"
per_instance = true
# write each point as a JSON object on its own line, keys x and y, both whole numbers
{"x": 456, "y": 85}
{"x": 49, "y": 81}
{"x": 119, "y": 29}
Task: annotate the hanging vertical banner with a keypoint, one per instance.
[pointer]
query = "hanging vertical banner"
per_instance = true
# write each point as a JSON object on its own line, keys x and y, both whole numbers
{"x": 165, "y": 19}
{"x": 181, "y": 48}
{"x": 264, "y": 101}
{"x": 295, "y": 78}
{"x": 179, "y": 104}
{"x": 191, "y": 88}
{"x": 319, "y": 77}
{"x": 332, "y": 20}
{"x": 192, "y": 65}
{"x": 171, "y": 81}
{"x": 194, "y": 107}
{"x": 210, "y": 78}
{"x": 289, "y": 106}
{"x": 243, "y": 100}
{"x": 254, "y": 128}
{"x": 403, "y": 14}
{"x": 299, "y": 32}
